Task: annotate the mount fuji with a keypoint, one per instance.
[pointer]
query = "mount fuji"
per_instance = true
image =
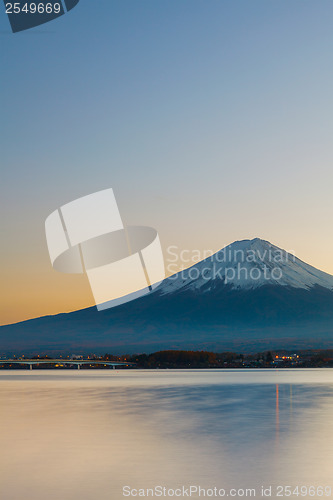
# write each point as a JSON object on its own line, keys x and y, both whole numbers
{"x": 249, "y": 296}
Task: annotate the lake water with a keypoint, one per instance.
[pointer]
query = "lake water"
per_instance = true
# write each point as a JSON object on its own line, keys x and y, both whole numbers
{"x": 87, "y": 434}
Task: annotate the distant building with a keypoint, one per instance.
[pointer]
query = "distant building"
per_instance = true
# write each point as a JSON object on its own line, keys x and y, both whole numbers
{"x": 289, "y": 358}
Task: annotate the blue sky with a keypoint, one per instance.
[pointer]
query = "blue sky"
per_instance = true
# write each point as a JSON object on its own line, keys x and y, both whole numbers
{"x": 212, "y": 121}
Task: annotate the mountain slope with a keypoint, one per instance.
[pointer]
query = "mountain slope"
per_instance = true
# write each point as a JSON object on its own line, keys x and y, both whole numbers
{"x": 276, "y": 301}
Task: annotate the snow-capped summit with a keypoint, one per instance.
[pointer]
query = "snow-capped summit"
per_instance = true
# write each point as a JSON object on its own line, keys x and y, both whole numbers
{"x": 247, "y": 264}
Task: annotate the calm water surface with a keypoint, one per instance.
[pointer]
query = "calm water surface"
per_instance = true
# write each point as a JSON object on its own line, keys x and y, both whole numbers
{"x": 85, "y": 435}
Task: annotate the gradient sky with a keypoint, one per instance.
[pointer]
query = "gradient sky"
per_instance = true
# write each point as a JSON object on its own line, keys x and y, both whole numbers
{"x": 212, "y": 121}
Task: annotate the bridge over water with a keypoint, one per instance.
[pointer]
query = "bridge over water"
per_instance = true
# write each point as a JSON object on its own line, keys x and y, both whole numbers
{"x": 63, "y": 362}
